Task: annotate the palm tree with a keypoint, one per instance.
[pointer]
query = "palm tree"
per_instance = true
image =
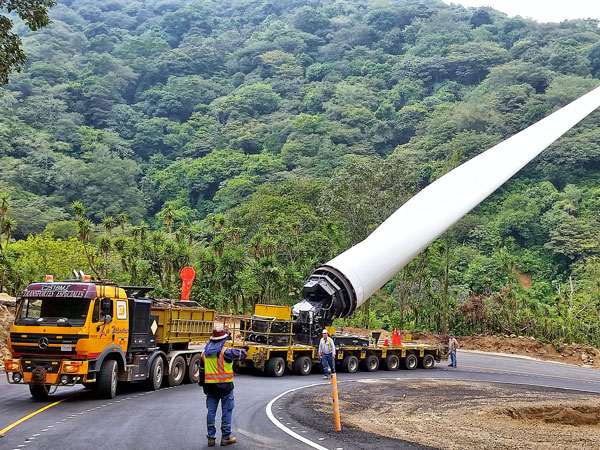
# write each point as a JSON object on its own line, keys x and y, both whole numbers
{"x": 109, "y": 224}
{"x": 122, "y": 218}
{"x": 4, "y": 205}
{"x": 234, "y": 233}
{"x": 143, "y": 231}
{"x": 7, "y": 228}
{"x": 169, "y": 213}
{"x": 85, "y": 230}
{"x": 191, "y": 234}
{"x": 78, "y": 209}
{"x": 105, "y": 245}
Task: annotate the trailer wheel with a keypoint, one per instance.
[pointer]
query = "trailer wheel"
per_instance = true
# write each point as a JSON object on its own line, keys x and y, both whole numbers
{"x": 39, "y": 391}
{"x": 155, "y": 376}
{"x": 107, "y": 379}
{"x": 370, "y": 363}
{"x": 410, "y": 362}
{"x": 427, "y": 362}
{"x": 195, "y": 369}
{"x": 302, "y": 365}
{"x": 177, "y": 371}
{"x": 391, "y": 362}
{"x": 350, "y": 364}
{"x": 275, "y": 367}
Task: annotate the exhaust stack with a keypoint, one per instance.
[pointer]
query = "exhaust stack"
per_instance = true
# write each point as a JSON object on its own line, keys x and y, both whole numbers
{"x": 337, "y": 288}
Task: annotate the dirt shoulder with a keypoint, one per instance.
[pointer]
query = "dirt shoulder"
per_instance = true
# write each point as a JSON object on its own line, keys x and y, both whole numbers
{"x": 456, "y": 415}
{"x": 576, "y": 354}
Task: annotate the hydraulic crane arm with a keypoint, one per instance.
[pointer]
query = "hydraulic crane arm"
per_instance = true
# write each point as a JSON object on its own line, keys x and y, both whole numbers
{"x": 338, "y": 287}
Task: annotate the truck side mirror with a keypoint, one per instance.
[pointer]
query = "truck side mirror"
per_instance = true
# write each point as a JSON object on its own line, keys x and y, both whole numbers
{"x": 107, "y": 318}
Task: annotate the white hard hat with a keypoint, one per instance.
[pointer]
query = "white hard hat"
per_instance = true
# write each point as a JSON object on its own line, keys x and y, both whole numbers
{"x": 325, "y": 332}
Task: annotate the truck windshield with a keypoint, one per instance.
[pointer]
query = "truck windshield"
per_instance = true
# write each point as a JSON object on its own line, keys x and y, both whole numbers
{"x": 55, "y": 311}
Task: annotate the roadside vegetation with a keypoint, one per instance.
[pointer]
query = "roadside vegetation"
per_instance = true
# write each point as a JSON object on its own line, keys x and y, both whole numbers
{"x": 255, "y": 140}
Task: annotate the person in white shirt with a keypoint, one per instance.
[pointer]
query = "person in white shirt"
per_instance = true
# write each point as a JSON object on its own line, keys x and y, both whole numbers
{"x": 452, "y": 346}
{"x": 327, "y": 354}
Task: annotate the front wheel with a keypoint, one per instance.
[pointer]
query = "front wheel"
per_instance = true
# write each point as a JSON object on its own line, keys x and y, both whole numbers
{"x": 39, "y": 391}
{"x": 155, "y": 376}
{"x": 275, "y": 367}
{"x": 107, "y": 379}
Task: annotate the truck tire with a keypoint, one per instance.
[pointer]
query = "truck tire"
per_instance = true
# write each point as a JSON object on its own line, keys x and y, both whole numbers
{"x": 195, "y": 368}
{"x": 410, "y": 362}
{"x": 155, "y": 376}
{"x": 427, "y": 362}
{"x": 107, "y": 379}
{"x": 39, "y": 391}
{"x": 391, "y": 362}
{"x": 350, "y": 364}
{"x": 302, "y": 365}
{"x": 275, "y": 367}
{"x": 370, "y": 363}
{"x": 177, "y": 371}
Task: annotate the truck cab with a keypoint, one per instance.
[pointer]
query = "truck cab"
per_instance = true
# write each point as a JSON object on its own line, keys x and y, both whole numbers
{"x": 64, "y": 331}
{"x": 96, "y": 333}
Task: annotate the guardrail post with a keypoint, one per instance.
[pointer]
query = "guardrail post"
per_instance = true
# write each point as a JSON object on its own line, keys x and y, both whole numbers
{"x": 336, "y": 403}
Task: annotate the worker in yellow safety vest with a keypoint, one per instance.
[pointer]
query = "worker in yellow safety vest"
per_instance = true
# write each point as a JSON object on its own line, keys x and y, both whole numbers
{"x": 217, "y": 381}
{"x": 327, "y": 354}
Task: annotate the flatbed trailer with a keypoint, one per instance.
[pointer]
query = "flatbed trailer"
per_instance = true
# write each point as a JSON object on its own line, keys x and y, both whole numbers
{"x": 269, "y": 338}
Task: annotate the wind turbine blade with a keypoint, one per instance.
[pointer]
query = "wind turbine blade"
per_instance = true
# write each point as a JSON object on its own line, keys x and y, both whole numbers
{"x": 370, "y": 264}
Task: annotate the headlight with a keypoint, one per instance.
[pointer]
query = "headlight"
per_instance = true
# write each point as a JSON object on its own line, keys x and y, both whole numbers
{"x": 17, "y": 377}
{"x": 12, "y": 365}
{"x": 64, "y": 379}
{"x": 71, "y": 366}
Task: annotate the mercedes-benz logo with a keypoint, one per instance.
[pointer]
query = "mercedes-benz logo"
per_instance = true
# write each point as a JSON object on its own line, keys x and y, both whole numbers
{"x": 43, "y": 343}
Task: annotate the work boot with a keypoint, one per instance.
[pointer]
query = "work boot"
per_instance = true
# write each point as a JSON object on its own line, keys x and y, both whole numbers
{"x": 211, "y": 442}
{"x": 325, "y": 377}
{"x": 228, "y": 441}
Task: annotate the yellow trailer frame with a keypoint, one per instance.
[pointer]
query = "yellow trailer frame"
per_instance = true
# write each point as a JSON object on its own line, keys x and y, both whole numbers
{"x": 299, "y": 358}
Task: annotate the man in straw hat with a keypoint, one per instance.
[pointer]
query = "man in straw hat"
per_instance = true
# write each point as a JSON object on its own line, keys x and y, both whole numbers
{"x": 218, "y": 384}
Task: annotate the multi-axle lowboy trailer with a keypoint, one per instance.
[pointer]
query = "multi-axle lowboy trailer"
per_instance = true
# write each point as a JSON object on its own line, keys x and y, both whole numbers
{"x": 275, "y": 342}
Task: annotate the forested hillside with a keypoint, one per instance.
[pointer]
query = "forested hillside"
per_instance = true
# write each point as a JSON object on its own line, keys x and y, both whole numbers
{"x": 254, "y": 139}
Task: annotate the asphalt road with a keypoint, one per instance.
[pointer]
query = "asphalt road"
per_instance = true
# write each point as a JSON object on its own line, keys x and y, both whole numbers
{"x": 174, "y": 418}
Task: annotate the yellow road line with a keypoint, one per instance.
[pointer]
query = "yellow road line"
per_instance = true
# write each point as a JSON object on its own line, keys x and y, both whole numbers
{"x": 29, "y": 416}
{"x": 534, "y": 374}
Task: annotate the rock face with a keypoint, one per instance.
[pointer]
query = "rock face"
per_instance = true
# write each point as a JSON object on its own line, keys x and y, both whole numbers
{"x": 7, "y": 307}
{"x": 7, "y": 300}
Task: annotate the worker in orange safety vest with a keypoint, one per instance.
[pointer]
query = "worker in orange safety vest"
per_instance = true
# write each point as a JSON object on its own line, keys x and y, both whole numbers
{"x": 217, "y": 381}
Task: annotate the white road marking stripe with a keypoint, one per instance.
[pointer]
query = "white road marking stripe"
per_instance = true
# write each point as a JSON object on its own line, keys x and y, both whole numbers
{"x": 283, "y": 428}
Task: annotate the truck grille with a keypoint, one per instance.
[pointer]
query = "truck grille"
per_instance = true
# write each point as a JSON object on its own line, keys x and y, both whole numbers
{"x": 44, "y": 344}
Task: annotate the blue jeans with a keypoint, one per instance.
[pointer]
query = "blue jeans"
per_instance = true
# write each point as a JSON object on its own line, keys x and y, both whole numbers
{"x": 453, "y": 358}
{"x": 328, "y": 362}
{"x": 227, "y": 404}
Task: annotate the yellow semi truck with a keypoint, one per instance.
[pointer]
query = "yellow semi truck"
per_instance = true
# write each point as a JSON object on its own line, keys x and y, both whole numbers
{"x": 98, "y": 333}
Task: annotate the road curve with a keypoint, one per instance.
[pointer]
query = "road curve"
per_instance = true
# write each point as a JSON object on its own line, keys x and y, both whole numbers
{"x": 174, "y": 418}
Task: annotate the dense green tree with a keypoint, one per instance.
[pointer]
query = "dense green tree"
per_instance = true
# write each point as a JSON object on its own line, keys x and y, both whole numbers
{"x": 35, "y": 15}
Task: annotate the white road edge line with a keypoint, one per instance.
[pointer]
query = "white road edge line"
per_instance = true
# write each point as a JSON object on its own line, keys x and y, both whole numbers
{"x": 283, "y": 428}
